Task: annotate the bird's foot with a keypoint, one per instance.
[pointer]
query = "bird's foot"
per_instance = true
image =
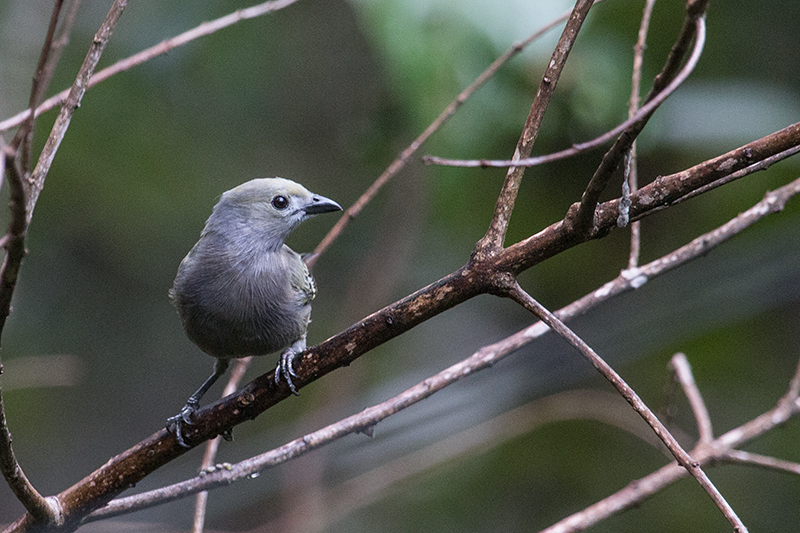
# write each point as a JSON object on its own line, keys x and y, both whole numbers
{"x": 286, "y": 369}
{"x": 184, "y": 417}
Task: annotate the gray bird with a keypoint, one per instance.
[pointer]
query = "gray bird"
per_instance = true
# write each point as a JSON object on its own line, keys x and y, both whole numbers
{"x": 241, "y": 291}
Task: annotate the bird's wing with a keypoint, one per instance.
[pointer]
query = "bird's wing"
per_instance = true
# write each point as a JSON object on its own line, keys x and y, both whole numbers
{"x": 303, "y": 281}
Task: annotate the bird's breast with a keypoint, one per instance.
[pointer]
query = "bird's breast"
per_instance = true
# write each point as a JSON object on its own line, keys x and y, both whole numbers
{"x": 242, "y": 308}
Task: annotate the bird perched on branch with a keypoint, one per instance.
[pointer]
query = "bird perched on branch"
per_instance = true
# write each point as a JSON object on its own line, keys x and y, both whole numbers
{"x": 241, "y": 291}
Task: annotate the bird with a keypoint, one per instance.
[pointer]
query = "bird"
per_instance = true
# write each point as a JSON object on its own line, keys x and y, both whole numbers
{"x": 241, "y": 291}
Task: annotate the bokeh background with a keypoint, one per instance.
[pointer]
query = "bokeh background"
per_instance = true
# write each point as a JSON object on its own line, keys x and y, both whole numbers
{"x": 328, "y": 93}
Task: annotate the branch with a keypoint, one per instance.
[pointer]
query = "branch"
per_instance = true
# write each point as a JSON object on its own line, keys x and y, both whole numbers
{"x": 746, "y": 171}
{"x": 693, "y": 26}
{"x": 637, "y": 491}
{"x": 763, "y": 461}
{"x": 398, "y": 164}
{"x": 683, "y": 373}
{"x": 14, "y": 242}
{"x": 476, "y": 277}
{"x": 24, "y": 136}
{"x": 487, "y": 356}
{"x": 237, "y": 373}
{"x": 638, "y": 120}
{"x": 630, "y": 179}
{"x": 23, "y": 199}
{"x": 495, "y": 236}
{"x": 203, "y": 30}
{"x": 663, "y": 192}
{"x": 604, "y": 407}
{"x": 625, "y": 390}
{"x": 72, "y": 102}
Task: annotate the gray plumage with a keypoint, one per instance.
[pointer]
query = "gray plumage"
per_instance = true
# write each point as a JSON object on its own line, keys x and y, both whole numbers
{"x": 241, "y": 291}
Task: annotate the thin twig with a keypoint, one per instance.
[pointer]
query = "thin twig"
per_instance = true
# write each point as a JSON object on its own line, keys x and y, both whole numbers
{"x": 495, "y": 235}
{"x": 210, "y": 455}
{"x": 630, "y": 180}
{"x": 59, "y": 43}
{"x": 398, "y": 164}
{"x": 754, "y": 459}
{"x": 203, "y": 30}
{"x": 580, "y": 220}
{"x": 24, "y": 137}
{"x": 72, "y": 102}
{"x": 636, "y": 492}
{"x": 683, "y": 373}
{"x": 644, "y": 112}
{"x": 683, "y": 458}
{"x": 64, "y": 31}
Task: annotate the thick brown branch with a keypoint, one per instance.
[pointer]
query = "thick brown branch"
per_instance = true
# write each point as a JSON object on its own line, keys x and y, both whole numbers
{"x": 340, "y": 350}
{"x": 773, "y": 202}
{"x": 662, "y": 192}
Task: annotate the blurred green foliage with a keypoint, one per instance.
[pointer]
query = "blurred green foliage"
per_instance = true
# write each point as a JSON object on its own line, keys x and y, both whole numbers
{"x": 328, "y": 93}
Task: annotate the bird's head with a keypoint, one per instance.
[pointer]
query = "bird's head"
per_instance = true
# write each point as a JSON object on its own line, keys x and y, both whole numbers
{"x": 272, "y": 207}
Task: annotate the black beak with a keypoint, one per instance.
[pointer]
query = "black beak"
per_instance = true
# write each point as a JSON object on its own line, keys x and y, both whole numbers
{"x": 320, "y": 204}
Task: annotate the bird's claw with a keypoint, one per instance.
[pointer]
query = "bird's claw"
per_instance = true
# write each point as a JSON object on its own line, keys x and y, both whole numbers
{"x": 286, "y": 369}
{"x": 184, "y": 417}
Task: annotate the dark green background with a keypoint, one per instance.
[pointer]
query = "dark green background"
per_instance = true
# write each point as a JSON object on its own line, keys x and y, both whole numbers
{"x": 327, "y": 93}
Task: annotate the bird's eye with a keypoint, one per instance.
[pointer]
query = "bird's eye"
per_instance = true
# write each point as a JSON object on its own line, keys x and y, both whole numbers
{"x": 280, "y": 202}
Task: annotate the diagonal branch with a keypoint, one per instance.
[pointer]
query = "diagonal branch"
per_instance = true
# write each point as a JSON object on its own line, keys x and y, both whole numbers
{"x": 203, "y": 30}
{"x": 495, "y": 236}
{"x": 663, "y": 192}
{"x": 398, "y": 164}
{"x": 569, "y": 405}
{"x": 636, "y": 492}
{"x": 41, "y": 79}
{"x": 683, "y": 373}
{"x": 487, "y": 356}
{"x": 72, "y": 102}
{"x": 639, "y": 119}
{"x": 683, "y": 458}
